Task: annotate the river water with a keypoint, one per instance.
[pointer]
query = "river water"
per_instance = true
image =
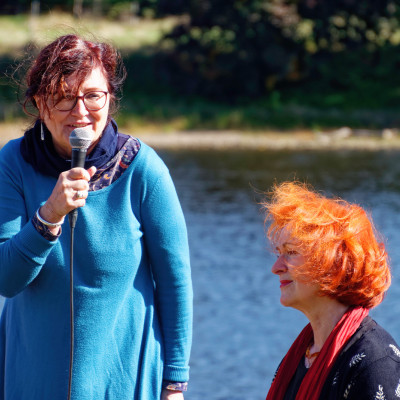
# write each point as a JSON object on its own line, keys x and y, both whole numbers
{"x": 241, "y": 331}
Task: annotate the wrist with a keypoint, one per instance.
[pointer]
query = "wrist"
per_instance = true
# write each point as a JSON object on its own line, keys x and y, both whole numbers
{"x": 48, "y": 233}
{"x": 44, "y": 219}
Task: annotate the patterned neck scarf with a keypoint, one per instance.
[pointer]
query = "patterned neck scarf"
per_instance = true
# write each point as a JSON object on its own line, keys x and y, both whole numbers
{"x": 42, "y": 155}
{"x": 314, "y": 380}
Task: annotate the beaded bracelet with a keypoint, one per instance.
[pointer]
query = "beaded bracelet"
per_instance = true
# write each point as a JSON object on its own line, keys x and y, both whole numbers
{"x": 176, "y": 386}
{"x": 49, "y": 224}
{"x": 44, "y": 230}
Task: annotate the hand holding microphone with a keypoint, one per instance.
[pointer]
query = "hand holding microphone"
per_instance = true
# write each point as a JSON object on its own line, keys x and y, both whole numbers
{"x": 72, "y": 186}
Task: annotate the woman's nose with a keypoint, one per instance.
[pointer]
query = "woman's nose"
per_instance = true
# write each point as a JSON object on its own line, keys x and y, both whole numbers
{"x": 279, "y": 265}
{"x": 80, "y": 108}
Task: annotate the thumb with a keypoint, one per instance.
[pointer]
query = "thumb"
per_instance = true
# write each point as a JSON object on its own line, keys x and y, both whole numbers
{"x": 92, "y": 171}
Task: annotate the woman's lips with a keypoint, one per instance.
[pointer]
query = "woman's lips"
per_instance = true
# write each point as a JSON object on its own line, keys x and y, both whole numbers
{"x": 73, "y": 126}
{"x": 285, "y": 283}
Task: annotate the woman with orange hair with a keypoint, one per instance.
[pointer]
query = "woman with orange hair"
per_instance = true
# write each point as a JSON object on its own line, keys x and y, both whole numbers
{"x": 332, "y": 267}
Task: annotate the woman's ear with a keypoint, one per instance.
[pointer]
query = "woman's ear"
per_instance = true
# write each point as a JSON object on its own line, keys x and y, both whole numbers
{"x": 39, "y": 104}
{"x": 43, "y": 110}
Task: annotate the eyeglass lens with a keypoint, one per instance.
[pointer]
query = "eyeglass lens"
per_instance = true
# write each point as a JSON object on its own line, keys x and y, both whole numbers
{"x": 93, "y": 101}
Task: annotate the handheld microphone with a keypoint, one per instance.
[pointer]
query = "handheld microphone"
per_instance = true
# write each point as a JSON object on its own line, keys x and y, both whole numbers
{"x": 79, "y": 139}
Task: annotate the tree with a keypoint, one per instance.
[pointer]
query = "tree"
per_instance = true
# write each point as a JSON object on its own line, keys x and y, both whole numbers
{"x": 248, "y": 47}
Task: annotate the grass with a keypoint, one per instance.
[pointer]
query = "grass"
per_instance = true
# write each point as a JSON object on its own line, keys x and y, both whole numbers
{"x": 19, "y": 30}
{"x": 188, "y": 113}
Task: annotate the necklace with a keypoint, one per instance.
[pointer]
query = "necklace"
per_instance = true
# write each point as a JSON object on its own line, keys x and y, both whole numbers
{"x": 309, "y": 357}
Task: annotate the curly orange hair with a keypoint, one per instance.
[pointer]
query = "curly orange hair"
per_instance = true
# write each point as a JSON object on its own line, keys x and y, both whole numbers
{"x": 338, "y": 241}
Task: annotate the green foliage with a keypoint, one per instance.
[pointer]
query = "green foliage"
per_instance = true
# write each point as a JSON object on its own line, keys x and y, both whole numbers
{"x": 148, "y": 102}
{"x": 251, "y": 47}
{"x": 273, "y": 69}
{"x": 235, "y": 49}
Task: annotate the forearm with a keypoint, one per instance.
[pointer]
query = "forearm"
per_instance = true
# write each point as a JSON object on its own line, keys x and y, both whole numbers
{"x": 23, "y": 250}
{"x": 167, "y": 243}
{"x": 21, "y": 259}
{"x": 176, "y": 321}
{"x": 171, "y": 270}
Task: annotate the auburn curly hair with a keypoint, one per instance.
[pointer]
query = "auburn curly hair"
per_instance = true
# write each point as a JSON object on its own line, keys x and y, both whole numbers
{"x": 343, "y": 251}
{"x": 72, "y": 56}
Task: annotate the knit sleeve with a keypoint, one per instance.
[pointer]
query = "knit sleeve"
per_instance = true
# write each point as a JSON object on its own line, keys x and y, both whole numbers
{"x": 167, "y": 243}
{"x": 23, "y": 250}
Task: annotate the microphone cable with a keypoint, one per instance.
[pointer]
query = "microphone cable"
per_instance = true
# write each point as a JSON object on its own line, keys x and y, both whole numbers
{"x": 72, "y": 216}
{"x": 80, "y": 140}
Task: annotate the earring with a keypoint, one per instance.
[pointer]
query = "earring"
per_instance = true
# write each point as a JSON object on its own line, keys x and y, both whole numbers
{"x": 41, "y": 132}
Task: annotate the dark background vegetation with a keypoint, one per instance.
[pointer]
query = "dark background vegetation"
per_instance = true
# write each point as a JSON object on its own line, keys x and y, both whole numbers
{"x": 255, "y": 64}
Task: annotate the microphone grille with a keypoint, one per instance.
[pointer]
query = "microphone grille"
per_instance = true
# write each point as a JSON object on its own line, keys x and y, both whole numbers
{"x": 80, "y": 138}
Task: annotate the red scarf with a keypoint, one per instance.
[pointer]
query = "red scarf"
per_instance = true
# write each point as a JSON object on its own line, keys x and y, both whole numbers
{"x": 315, "y": 377}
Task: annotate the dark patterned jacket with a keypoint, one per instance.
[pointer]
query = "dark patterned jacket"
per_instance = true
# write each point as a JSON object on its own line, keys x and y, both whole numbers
{"x": 368, "y": 368}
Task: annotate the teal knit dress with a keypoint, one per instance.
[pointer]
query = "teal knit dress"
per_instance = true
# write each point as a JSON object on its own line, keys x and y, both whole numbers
{"x": 132, "y": 287}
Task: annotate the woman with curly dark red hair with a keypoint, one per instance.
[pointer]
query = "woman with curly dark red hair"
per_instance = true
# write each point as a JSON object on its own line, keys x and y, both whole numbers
{"x": 130, "y": 334}
{"x": 332, "y": 268}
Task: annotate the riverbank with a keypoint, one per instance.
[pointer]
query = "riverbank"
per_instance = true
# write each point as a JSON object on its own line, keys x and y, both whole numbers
{"x": 343, "y": 138}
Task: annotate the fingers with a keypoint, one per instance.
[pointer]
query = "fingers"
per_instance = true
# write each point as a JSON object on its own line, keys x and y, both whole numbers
{"x": 74, "y": 186}
{"x": 91, "y": 171}
{"x": 80, "y": 194}
{"x": 80, "y": 173}
{"x": 171, "y": 395}
{"x": 70, "y": 192}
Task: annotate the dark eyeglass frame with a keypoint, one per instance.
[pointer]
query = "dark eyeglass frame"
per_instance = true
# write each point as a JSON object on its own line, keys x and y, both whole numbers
{"x": 84, "y": 103}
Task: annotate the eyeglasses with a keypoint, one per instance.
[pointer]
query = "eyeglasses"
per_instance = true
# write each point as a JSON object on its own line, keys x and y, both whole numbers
{"x": 93, "y": 101}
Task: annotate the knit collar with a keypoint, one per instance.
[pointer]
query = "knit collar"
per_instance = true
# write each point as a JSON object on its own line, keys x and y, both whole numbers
{"x": 42, "y": 155}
